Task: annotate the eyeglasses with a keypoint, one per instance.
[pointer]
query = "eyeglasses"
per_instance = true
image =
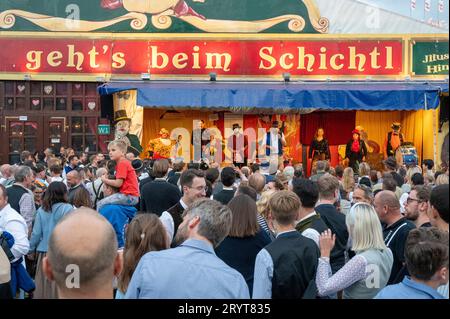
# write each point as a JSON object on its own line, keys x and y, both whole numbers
{"x": 410, "y": 199}
{"x": 200, "y": 188}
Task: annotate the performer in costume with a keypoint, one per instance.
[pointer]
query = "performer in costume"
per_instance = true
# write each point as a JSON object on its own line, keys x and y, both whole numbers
{"x": 393, "y": 141}
{"x": 177, "y": 149}
{"x": 122, "y": 132}
{"x": 319, "y": 149}
{"x": 200, "y": 138}
{"x": 238, "y": 146}
{"x": 161, "y": 146}
{"x": 275, "y": 142}
{"x": 355, "y": 151}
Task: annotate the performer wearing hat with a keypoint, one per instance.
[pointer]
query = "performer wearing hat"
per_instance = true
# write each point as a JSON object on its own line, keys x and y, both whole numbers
{"x": 122, "y": 132}
{"x": 161, "y": 146}
{"x": 238, "y": 146}
{"x": 275, "y": 142}
{"x": 393, "y": 140}
{"x": 355, "y": 151}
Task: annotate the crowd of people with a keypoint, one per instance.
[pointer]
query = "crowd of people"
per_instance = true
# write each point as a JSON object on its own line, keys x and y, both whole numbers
{"x": 79, "y": 226}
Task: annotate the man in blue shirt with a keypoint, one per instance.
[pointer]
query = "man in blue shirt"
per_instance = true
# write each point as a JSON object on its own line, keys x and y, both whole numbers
{"x": 192, "y": 270}
{"x": 426, "y": 256}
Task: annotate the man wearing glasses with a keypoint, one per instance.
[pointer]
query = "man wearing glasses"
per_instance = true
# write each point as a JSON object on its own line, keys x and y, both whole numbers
{"x": 416, "y": 206}
{"x": 193, "y": 185}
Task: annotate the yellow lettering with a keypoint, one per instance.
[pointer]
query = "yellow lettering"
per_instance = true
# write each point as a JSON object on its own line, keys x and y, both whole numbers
{"x": 389, "y": 58}
{"x": 92, "y": 54}
{"x": 218, "y": 57}
{"x": 323, "y": 58}
{"x": 118, "y": 60}
{"x": 374, "y": 59}
{"x": 178, "y": 59}
{"x": 353, "y": 57}
{"x": 156, "y": 55}
{"x": 333, "y": 59}
{"x": 267, "y": 57}
{"x": 196, "y": 56}
{"x": 283, "y": 59}
{"x": 53, "y": 58}
{"x": 34, "y": 60}
{"x": 301, "y": 60}
{"x": 71, "y": 58}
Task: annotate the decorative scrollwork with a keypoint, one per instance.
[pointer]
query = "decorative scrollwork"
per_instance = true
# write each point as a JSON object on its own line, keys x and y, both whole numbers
{"x": 139, "y": 21}
{"x": 322, "y": 25}
{"x": 7, "y": 20}
{"x": 297, "y": 24}
{"x": 161, "y": 21}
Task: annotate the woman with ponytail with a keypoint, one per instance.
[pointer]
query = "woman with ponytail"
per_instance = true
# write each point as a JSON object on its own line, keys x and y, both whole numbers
{"x": 145, "y": 233}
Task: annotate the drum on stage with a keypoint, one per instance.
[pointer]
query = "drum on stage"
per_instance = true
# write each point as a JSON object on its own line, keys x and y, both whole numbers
{"x": 406, "y": 154}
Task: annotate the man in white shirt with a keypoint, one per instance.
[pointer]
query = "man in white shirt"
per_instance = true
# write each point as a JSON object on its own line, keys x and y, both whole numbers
{"x": 193, "y": 185}
{"x": 12, "y": 222}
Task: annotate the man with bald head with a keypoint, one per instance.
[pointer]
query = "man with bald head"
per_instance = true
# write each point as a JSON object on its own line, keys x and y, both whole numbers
{"x": 395, "y": 230}
{"x": 82, "y": 256}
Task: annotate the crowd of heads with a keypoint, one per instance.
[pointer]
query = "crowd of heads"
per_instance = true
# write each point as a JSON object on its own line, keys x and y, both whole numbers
{"x": 368, "y": 198}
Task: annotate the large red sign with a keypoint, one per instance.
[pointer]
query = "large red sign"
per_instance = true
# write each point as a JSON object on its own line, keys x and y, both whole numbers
{"x": 197, "y": 57}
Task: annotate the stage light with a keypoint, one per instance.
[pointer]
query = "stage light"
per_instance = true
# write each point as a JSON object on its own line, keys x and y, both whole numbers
{"x": 27, "y": 77}
{"x": 287, "y": 77}
{"x": 407, "y": 78}
{"x": 368, "y": 78}
{"x": 213, "y": 76}
{"x": 145, "y": 76}
{"x": 100, "y": 79}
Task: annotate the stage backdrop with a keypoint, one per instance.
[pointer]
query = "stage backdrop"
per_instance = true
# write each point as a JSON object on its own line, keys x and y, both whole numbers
{"x": 418, "y": 127}
{"x": 337, "y": 125}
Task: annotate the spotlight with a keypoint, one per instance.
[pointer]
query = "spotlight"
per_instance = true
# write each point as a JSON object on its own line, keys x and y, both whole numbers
{"x": 27, "y": 77}
{"x": 145, "y": 76}
{"x": 407, "y": 78}
{"x": 287, "y": 77}
{"x": 213, "y": 76}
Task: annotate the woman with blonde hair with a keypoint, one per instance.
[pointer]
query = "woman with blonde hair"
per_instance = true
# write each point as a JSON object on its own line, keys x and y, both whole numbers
{"x": 406, "y": 188}
{"x": 369, "y": 270}
{"x": 442, "y": 179}
{"x": 264, "y": 217}
{"x": 348, "y": 182}
{"x": 364, "y": 170}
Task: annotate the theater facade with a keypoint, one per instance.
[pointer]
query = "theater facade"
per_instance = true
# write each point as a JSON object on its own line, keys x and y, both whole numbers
{"x": 66, "y": 67}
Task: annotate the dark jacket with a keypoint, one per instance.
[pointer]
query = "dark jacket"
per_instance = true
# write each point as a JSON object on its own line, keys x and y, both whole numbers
{"x": 15, "y": 193}
{"x": 335, "y": 221}
{"x": 314, "y": 222}
{"x": 395, "y": 238}
{"x": 240, "y": 253}
{"x": 173, "y": 179}
{"x": 158, "y": 196}
{"x": 224, "y": 196}
{"x": 176, "y": 211}
{"x": 295, "y": 260}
